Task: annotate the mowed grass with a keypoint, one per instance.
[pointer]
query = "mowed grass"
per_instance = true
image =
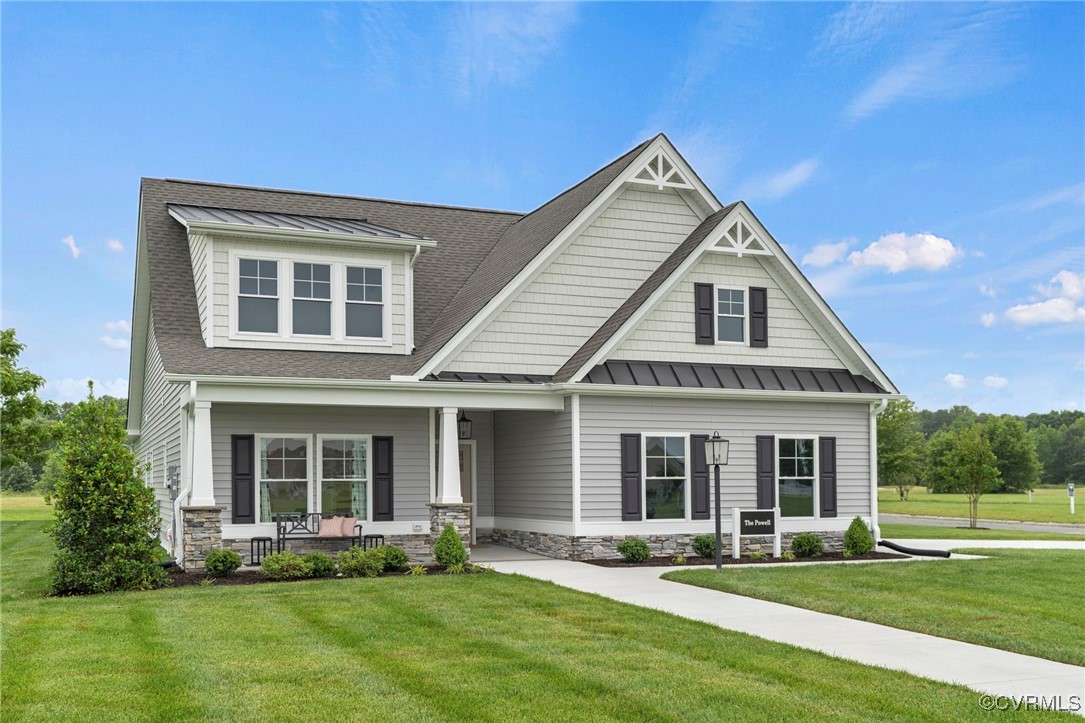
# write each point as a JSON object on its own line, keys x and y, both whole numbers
{"x": 1025, "y": 601}
{"x": 480, "y": 647}
{"x": 894, "y": 531}
{"x": 1047, "y": 506}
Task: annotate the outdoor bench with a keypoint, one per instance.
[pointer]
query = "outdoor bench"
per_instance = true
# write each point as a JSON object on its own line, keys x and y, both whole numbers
{"x": 307, "y": 526}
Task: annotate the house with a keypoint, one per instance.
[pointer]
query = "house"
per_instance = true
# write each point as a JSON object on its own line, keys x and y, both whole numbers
{"x": 303, "y": 352}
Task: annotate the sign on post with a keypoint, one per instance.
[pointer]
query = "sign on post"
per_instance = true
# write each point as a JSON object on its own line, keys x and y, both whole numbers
{"x": 754, "y": 523}
{"x": 1070, "y": 491}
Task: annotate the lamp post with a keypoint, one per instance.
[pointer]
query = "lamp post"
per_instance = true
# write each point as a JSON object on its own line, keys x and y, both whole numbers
{"x": 715, "y": 452}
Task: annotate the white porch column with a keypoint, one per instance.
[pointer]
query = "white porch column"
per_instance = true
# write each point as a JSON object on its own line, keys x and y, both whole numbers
{"x": 448, "y": 468}
{"x": 203, "y": 484}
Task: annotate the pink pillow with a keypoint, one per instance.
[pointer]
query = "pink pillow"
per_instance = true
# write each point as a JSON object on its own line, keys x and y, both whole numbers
{"x": 348, "y": 526}
{"x": 330, "y": 528}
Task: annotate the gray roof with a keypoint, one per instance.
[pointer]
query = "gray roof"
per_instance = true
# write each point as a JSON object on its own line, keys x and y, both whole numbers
{"x": 489, "y": 377}
{"x": 288, "y": 221}
{"x": 730, "y": 376}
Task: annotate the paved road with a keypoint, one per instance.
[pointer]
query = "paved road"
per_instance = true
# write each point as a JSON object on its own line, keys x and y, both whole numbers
{"x": 929, "y": 544}
{"x": 990, "y": 524}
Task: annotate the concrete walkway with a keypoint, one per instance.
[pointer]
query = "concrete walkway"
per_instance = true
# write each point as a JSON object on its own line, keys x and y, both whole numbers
{"x": 987, "y": 670}
{"x": 929, "y": 544}
{"x": 1057, "y": 527}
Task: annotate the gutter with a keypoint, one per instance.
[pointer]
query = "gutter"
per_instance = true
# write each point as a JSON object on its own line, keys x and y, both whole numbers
{"x": 875, "y": 410}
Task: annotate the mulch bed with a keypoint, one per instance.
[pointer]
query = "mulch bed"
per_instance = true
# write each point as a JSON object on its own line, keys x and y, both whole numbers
{"x": 249, "y": 576}
{"x": 728, "y": 560}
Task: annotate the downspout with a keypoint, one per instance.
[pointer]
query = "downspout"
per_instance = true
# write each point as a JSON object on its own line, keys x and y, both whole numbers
{"x": 408, "y": 274}
{"x": 182, "y": 495}
{"x": 875, "y": 410}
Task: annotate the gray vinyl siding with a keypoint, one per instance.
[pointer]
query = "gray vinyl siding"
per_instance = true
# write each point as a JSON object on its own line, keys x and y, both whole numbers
{"x": 198, "y": 246}
{"x": 568, "y": 301}
{"x": 160, "y": 427}
{"x": 667, "y": 332}
{"x": 533, "y": 465}
{"x": 407, "y": 427}
{"x": 604, "y": 419}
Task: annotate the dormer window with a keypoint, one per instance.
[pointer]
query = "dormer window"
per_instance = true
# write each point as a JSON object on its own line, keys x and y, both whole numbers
{"x": 365, "y": 302}
{"x": 258, "y": 296}
{"x": 312, "y": 299}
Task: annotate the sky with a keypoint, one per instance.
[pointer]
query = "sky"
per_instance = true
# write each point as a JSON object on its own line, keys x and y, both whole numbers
{"x": 923, "y": 163}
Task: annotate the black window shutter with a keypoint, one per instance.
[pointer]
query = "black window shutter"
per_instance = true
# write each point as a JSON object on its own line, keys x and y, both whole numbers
{"x": 631, "y": 502}
{"x": 242, "y": 473}
{"x": 703, "y": 301}
{"x": 699, "y": 476}
{"x": 827, "y": 481}
{"x": 382, "y": 479}
{"x": 766, "y": 472}
{"x": 759, "y": 317}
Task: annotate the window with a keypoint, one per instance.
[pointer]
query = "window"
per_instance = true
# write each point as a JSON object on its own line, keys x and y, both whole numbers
{"x": 664, "y": 478}
{"x": 258, "y": 296}
{"x": 312, "y": 299}
{"x": 730, "y": 315}
{"x": 283, "y": 476}
{"x": 796, "y": 476}
{"x": 344, "y": 476}
{"x": 365, "y": 302}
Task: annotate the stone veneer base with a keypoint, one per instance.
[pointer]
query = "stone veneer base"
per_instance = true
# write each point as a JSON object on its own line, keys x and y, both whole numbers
{"x": 418, "y": 547}
{"x": 201, "y": 532}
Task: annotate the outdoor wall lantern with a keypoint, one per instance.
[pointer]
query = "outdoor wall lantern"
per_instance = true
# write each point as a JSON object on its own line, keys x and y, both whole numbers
{"x": 463, "y": 426}
{"x": 715, "y": 452}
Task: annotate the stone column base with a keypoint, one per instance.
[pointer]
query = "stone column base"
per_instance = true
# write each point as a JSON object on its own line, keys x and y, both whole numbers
{"x": 457, "y": 514}
{"x": 201, "y": 532}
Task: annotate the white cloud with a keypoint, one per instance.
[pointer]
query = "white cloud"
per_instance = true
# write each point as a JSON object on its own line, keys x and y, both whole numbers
{"x": 120, "y": 325}
{"x": 858, "y": 27}
{"x": 995, "y": 382}
{"x": 988, "y": 291}
{"x": 957, "y": 381}
{"x": 72, "y": 390}
{"x": 114, "y": 245}
{"x": 113, "y": 342}
{"x": 783, "y": 183}
{"x": 1065, "y": 285}
{"x": 1070, "y": 194}
{"x": 988, "y": 319}
{"x": 1052, "y": 311}
{"x": 825, "y": 254}
{"x": 901, "y": 252}
{"x": 971, "y": 355}
{"x": 69, "y": 241}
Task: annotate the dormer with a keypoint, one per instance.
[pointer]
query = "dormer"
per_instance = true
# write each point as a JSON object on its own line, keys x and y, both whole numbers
{"x": 289, "y": 281}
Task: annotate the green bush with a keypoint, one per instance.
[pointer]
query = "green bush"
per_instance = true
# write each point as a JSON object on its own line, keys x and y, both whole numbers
{"x": 417, "y": 570}
{"x": 807, "y": 544}
{"x": 449, "y": 549}
{"x": 395, "y": 559}
{"x": 705, "y": 545}
{"x": 457, "y": 568}
{"x": 107, "y": 524}
{"x": 634, "y": 549}
{"x": 357, "y": 562}
{"x": 858, "y": 540}
{"x": 286, "y": 566}
{"x": 17, "y": 477}
{"x": 321, "y": 563}
{"x": 221, "y": 563}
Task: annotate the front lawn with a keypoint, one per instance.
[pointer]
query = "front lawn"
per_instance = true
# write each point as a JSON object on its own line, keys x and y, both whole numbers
{"x": 893, "y": 531}
{"x": 1025, "y": 601}
{"x": 1047, "y": 505}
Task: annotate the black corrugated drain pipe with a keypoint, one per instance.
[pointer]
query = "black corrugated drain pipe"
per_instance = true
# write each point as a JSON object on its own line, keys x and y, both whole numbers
{"x": 912, "y": 550}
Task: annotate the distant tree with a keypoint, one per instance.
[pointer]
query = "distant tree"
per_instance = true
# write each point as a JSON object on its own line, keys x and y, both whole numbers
{"x": 970, "y": 467}
{"x": 1015, "y": 450}
{"x": 26, "y": 430}
{"x": 17, "y": 477}
{"x": 900, "y": 446}
{"x": 1054, "y": 418}
{"x": 930, "y": 423}
{"x": 1072, "y": 452}
{"x": 1047, "y": 441}
{"x": 937, "y": 450}
{"x": 51, "y": 472}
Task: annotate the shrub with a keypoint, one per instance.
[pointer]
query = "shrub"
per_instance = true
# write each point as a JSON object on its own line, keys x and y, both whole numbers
{"x": 417, "y": 570}
{"x": 705, "y": 545}
{"x": 357, "y": 562}
{"x": 321, "y": 563}
{"x": 17, "y": 477}
{"x": 107, "y": 523}
{"x": 221, "y": 563}
{"x": 858, "y": 540}
{"x": 634, "y": 549}
{"x": 456, "y": 568}
{"x": 807, "y": 544}
{"x": 680, "y": 560}
{"x": 757, "y": 555}
{"x": 788, "y": 555}
{"x": 395, "y": 559}
{"x": 449, "y": 549}
{"x": 285, "y": 566}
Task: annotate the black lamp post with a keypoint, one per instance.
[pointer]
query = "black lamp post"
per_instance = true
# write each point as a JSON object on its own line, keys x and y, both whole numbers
{"x": 715, "y": 451}
{"x": 463, "y": 426}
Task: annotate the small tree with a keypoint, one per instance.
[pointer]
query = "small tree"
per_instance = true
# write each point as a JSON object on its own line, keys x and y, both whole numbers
{"x": 970, "y": 467}
{"x": 1015, "y": 450}
{"x": 900, "y": 446}
{"x": 106, "y": 517}
{"x": 26, "y": 430}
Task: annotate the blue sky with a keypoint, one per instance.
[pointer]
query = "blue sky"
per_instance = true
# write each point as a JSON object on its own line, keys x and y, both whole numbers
{"x": 923, "y": 162}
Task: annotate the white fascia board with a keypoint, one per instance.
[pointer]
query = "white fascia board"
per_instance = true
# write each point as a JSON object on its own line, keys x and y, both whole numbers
{"x": 621, "y": 390}
{"x": 528, "y": 274}
{"x": 141, "y": 324}
{"x": 654, "y": 298}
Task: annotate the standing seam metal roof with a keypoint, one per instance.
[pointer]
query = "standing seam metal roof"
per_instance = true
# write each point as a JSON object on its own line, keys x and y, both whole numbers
{"x": 292, "y": 221}
{"x": 730, "y": 376}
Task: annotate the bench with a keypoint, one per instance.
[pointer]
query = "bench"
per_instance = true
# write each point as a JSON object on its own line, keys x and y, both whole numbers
{"x": 306, "y": 526}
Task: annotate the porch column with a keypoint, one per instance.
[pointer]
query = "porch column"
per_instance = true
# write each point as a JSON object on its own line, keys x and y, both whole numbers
{"x": 203, "y": 484}
{"x": 448, "y": 467}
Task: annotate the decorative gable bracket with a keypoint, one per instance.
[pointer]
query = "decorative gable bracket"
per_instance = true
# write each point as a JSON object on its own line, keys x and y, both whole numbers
{"x": 661, "y": 172}
{"x": 742, "y": 240}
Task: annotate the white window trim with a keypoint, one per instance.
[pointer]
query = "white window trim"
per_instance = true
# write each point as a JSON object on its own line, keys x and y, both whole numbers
{"x": 257, "y": 437}
{"x": 817, "y": 473}
{"x": 368, "y": 471}
{"x": 745, "y": 315}
{"x": 285, "y": 298}
{"x": 644, "y": 478}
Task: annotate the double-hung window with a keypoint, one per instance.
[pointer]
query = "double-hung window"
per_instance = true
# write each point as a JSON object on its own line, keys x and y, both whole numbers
{"x": 312, "y": 309}
{"x": 796, "y": 462}
{"x": 344, "y": 476}
{"x": 258, "y": 296}
{"x": 283, "y": 475}
{"x": 664, "y": 478}
{"x": 365, "y": 302}
{"x": 730, "y": 315}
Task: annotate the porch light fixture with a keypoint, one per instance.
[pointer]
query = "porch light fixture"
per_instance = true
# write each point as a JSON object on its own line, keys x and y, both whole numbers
{"x": 463, "y": 426}
{"x": 715, "y": 452}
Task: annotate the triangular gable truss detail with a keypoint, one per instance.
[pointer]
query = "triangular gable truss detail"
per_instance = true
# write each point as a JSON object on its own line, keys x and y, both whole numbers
{"x": 661, "y": 172}
{"x": 741, "y": 239}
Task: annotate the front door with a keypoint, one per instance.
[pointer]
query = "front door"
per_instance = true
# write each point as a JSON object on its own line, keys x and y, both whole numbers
{"x": 467, "y": 479}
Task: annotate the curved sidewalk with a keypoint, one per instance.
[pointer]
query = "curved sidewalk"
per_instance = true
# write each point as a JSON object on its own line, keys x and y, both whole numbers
{"x": 987, "y": 670}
